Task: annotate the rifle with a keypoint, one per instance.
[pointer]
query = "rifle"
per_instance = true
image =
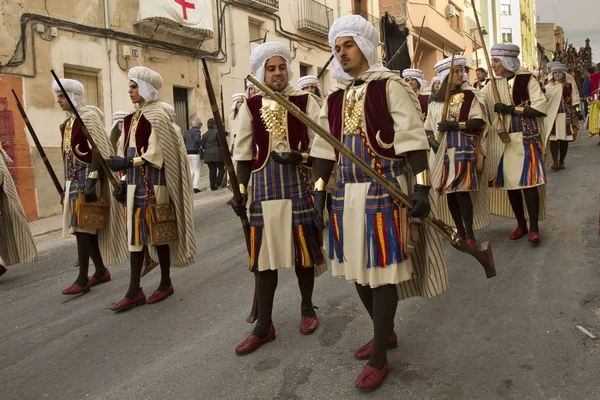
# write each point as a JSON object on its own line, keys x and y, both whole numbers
{"x": 417, "y": 44}
{"x": 95, "y": 151}
{"x": 503, "y": 134}
{"x": 483, "y": 255}
{"x": 235, "y": 187}
{"x": 38, "y": 145}
{"x": 325, "y": 67}
{"x": 448, "y": 90}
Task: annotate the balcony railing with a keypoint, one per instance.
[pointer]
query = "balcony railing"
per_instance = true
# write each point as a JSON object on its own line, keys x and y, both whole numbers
{"x": 267, "y": 5}
{"x": 314, "y": 17}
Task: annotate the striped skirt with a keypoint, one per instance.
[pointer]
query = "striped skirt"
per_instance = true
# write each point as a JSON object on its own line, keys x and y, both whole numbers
{"x": 459, "y": 173}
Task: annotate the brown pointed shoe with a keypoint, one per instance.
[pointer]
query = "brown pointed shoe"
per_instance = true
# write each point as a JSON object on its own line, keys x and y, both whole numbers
{"x": 364, "y": 351}
{"x": 253, "y": 342}
{"x": 308, "y": 325}
{"x": 370, "y": 378}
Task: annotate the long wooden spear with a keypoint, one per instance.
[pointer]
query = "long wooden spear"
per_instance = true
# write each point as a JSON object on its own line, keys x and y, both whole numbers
{"x": 503, "y": 134}
{"x": 483, "y": 255}
{"x": 412, "y": 64}
{"x": 38, "y": 145}
{"x": 235, "y": 187}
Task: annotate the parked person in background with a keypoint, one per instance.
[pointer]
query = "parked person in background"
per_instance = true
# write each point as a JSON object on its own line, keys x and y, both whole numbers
{"x": 213, "y": 156}
{"x": 482, "y": 78}
{"x": 195, "y": 152}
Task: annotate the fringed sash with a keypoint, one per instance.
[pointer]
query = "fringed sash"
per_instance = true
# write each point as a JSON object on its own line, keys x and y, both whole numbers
{"x": 277, "y": 182}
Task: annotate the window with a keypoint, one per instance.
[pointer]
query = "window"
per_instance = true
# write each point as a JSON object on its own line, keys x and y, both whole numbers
{"x": 455, "y": 21}
{"x": 89, "y": 80}
{"x": 505, "y": 8}
{"x": 255, "y": 30}
{"x": 303, "y": 70}
{"x": 507, "y": 35}
{"x": 181, "y": 106}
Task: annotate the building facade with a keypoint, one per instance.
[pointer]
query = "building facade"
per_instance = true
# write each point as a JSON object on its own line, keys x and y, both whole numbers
{"x": 448, "y": 27}
{"x": 517, "y": 24}
{"x": 97, "y": 41}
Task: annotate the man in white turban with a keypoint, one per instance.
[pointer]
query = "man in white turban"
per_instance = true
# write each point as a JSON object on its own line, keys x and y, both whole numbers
{"x": 156, "y": 182}
{"x": 86, "y": 183}
{"x": 376, "y": 115}
{"x": 516, "y": 168}
{"x": 416, "y": 80}
{"x": 282, "y": 233}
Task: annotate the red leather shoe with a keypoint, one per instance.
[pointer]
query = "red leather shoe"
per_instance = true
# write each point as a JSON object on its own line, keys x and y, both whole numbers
{"x": 364, "y": 351}
{"x": 105, "y": 278}
{"x": 561, "y": 165}
{"x": 534, "y": 237}
{"x": 158, "y": 295}
{"x": 75, "y": 288}
{"x": 126, "y": 303}
{"x": 253, "y": 342}
{"x": 554, "y": 167}
{"x": 518, "y": 233}
{"x": 308, "y": 325}
{"x": 472, "y": 243}
{"x": 2, "y": 270}
{"x": 370, "y": 378}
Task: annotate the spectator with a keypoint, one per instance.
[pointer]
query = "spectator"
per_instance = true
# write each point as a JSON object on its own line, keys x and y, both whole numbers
{"x": 213, "y": 156}
{"x": 195, "y": 152}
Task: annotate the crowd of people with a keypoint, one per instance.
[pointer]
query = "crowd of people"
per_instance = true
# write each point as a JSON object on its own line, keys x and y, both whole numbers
{"x": 460, "y": 151}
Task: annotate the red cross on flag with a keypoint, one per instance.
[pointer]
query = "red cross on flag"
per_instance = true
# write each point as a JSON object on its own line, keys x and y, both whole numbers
{"x": 195, "y": 14}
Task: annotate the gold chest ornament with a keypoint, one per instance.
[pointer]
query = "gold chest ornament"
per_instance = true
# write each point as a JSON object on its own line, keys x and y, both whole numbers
{"x": 455, "y": 105}
{"x": 68, "y": 135}
{"x": 275, "y": 119}
{"x": 353, "y": 110}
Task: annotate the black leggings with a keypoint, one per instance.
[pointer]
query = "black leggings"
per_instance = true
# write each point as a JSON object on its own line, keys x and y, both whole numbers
{"x": 216, "y": 178}
{"x": 461, "y": 208}
{"x": 532, "y": 199}
{"x": 559, "y": 147}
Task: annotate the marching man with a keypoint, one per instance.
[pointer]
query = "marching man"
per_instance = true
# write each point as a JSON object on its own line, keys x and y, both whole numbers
{"x": 377, "y": 116}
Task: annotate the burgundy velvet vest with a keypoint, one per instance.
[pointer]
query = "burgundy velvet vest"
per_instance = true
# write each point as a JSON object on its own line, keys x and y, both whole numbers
{"x": 424, "y": 102}
{"x": 465, "y": 109}
{"x": 521, "y": 90}
{"x": 79, "y": 144}
{"x": 142, "y": 133}
{"x": 297, "y": 132}
{"x": 377, "y": 117}
{"x": 567, "y": 94}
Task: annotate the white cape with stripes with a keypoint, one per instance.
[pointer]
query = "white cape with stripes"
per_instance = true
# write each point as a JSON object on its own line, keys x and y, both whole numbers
{"x": 499, "y": 203}
{"x": 179, "y": 182}
{"x": 16, "y": 240}
{"x": 112, "y": 239}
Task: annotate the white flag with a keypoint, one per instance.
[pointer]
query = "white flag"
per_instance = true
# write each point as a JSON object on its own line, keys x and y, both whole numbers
{"x": 195, "y": 14}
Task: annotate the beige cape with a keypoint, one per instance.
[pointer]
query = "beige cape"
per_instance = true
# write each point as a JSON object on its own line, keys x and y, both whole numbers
{"x": 179, "y": 185}
{"x": 111, "y": 239}
{"x": 16, "y": 240}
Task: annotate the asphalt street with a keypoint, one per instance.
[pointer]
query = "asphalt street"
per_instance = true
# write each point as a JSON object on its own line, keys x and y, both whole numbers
{"x": 510, "y": 337}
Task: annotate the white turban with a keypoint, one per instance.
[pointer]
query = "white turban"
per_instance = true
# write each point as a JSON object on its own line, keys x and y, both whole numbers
{"x": 507, "y": 54}
{"x": 308, "y": 80}
{"x": 169, "y": 108}
{"x": 413, "y": 73}
{"x": 559, "y": 67}
{"x": 237, "y": 97}
{"x": 116, "y": 117}
{"x": 149, "y": 82}
{"x": 261, "y": 54}
{"x": 364, "y": 34}
{"x": 436, "y": 79}
{"x": 74, "y": 89}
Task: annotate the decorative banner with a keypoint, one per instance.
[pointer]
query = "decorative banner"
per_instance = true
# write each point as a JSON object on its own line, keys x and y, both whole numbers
{"x": 193, "y": 14}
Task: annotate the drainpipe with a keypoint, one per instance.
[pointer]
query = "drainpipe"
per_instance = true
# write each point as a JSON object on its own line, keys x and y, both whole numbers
{"x": 231, "y": 40}
{"x": 108, "y": 52}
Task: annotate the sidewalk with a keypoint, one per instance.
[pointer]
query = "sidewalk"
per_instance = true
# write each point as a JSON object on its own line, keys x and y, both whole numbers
{"x": 44, "y": 226}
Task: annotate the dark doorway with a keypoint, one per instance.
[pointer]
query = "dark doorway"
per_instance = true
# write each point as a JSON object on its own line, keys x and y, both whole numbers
{"x": 180, "y": 103}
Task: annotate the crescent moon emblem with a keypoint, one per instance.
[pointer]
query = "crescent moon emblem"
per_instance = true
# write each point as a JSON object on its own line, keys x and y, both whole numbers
{"x": 381, "y": 143}
{"x": 79, "y": 153}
